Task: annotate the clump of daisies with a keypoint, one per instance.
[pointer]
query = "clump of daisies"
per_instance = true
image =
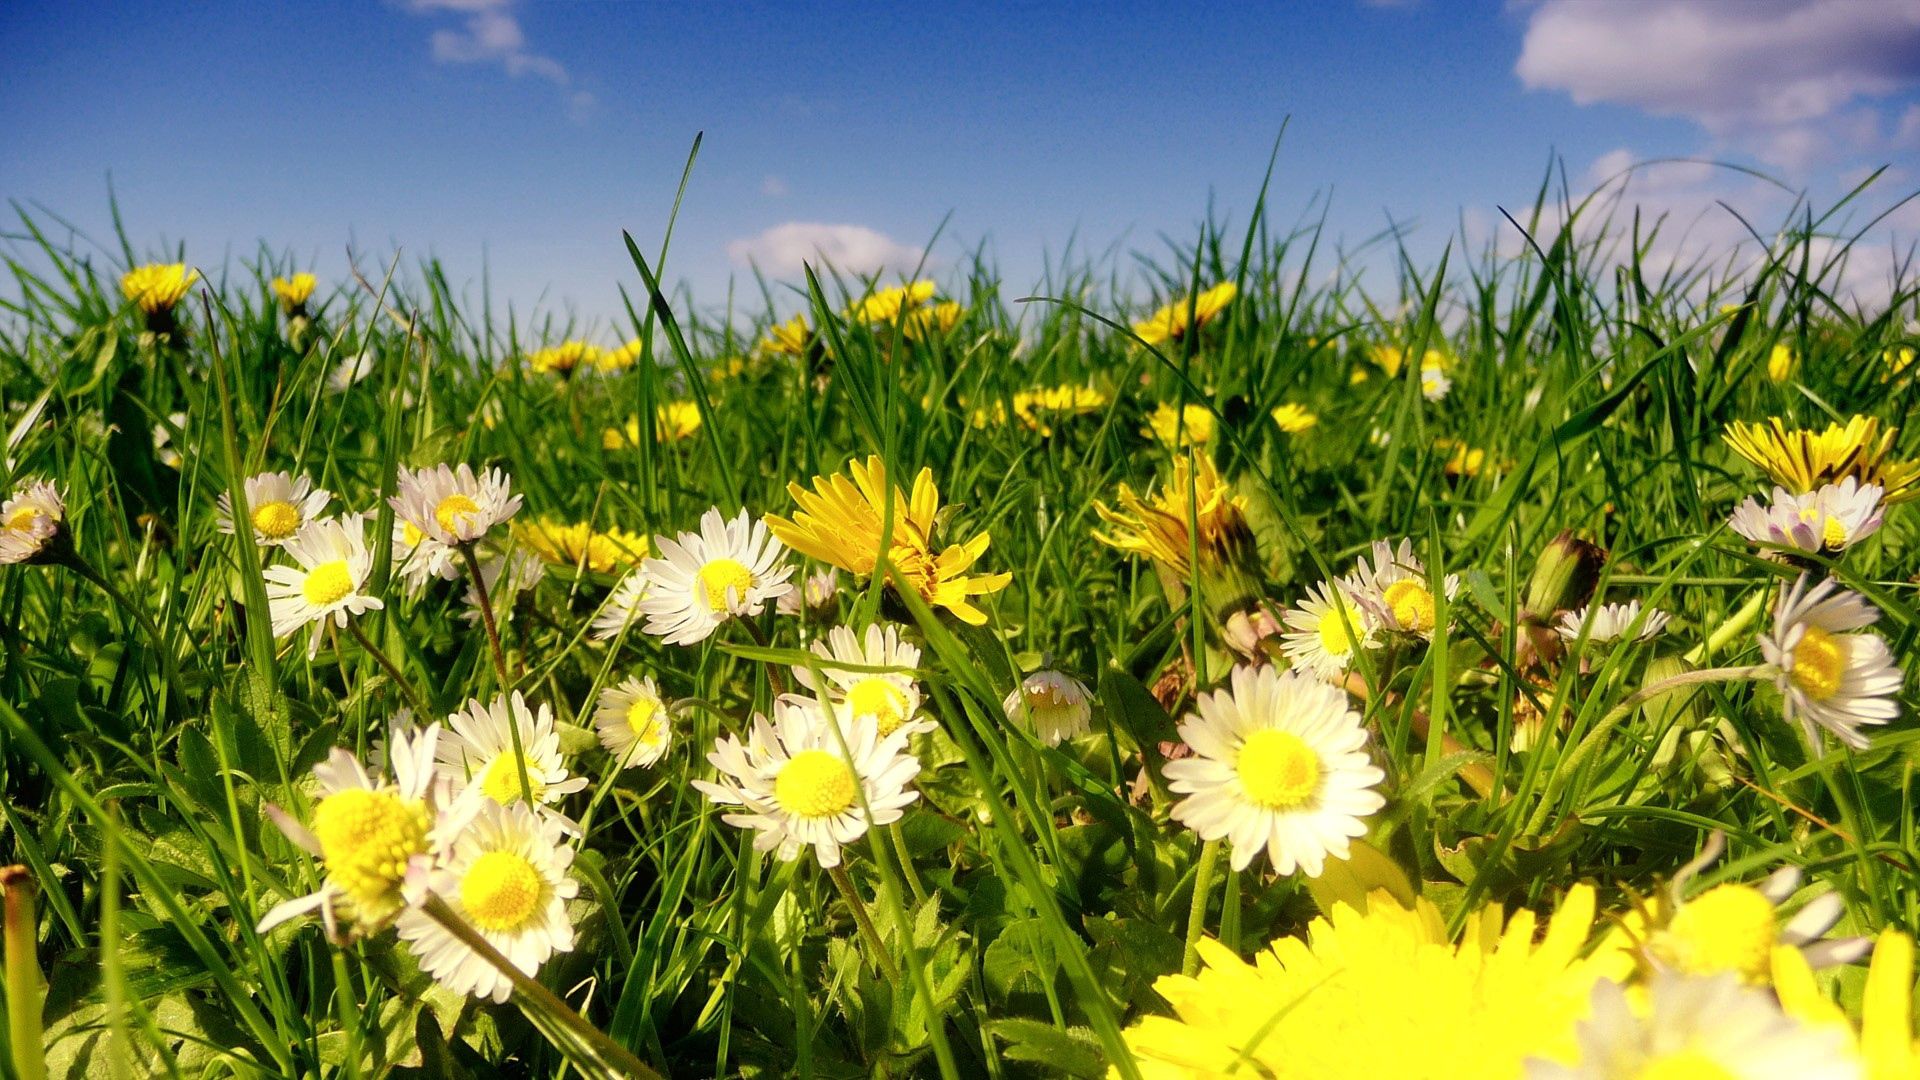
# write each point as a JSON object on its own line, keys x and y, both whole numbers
{"x": 1392, "y": 585}
{"x": 728, "y": 569}
{"x": 1831, "y": 518}
{"x": 1833, "y": 674}
{"x": 797, "y": 783}
{"x": 1279, "y": 765}
{"x": 278, "y": 504}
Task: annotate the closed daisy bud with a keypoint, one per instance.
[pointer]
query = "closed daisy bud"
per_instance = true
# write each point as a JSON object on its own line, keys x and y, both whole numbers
{"x": 1053, "y": 705}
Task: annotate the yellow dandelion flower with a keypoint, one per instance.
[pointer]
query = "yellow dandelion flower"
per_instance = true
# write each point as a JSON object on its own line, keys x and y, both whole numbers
{"x": 1802, "y": 460}
{"x": 1293, "y": 418}
{"x": 1192, "y": 425}
{"x": 564, "y": 358}
{"x": 1040, "y": 409}
{"x": 620, "y": 359}
{"x": 1883, "y": 1041}
{"x": 789, "y": 338}
{"x": 602, "y": 551}
{"x": 839, "y": 523}
{"x": 1383, "y": 992}
{"x": 1159, "y": 527}
{"x": 886, "y": 305}
{"x": 1169, "y": 323}
{"x": 672, "y": 422}
{"x": 931, "y": 322}
{"x": 1897, "y": 359}
{"x": 157, "y": 287}
{"x": 1391, "y": 358}
{"x": 1781, "y": 362}
{"x": 294, "y": 292}
{"x": 1462, "y": 460}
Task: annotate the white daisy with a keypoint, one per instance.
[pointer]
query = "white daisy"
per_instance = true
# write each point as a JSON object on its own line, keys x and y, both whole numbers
{"x": 419, "y": 559}
{"x": 325, "y": 586}
{"x": 815, "y": 595}
{"x": 1279, "y": 763}
{"x": 1393, "y": 586}
{"x": 1833, "y": 518}
{"x": 633, "y": 722}
{"x": 372, "y": 832}
{"x": 454, "y": 506}
{"x": 350, "y": 371}
{"x": 30, "y": 523}
{"x": 507, "y": 574}
{"x": 476, "y": 753}
{"x": 1052, "y": 704}
{"x": 702, "y": 579}
{"x": 891, "y": 698}
{"x": 279, "y": 505}
{"x": 795, "y": 788}
{"x": 622, "y": 608}
{"x": 1831, "y": 678}
{"x": 163, "y": 447}
{"x": 1434, "y": 383}
{"x": 506, "y": 875}
{"x": 1610, "y": 622}
{"x": 1320, "y": 639}
{"x": 1698, "y": 1029}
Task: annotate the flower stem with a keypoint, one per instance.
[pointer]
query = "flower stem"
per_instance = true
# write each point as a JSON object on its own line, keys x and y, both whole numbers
{"x": 1197, "y": 914}
{"x": 774, "y": 679}
{"x": 881, "y": 958}
{"x": 486, "y": 613}
{"x": 421, "y": 712}
{"x": 26, "y": 989}
{"x": 611, "y": 1053}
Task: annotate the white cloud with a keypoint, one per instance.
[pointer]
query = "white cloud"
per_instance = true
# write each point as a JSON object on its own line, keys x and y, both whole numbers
{"x": 852, "y": 249}
{"x": 773, "y": 187}
{"x": 490, "y": 33}
{"x": 1771, "y": 76}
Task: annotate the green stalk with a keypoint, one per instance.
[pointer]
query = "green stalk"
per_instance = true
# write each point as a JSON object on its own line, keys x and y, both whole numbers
{"x": 1197, "y": 914}
{"x": 26, "y": 990}
{"x": 881, "y": 958}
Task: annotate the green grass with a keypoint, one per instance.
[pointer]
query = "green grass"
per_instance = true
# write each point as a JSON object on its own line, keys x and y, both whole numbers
{"x": 1028, "y": 900}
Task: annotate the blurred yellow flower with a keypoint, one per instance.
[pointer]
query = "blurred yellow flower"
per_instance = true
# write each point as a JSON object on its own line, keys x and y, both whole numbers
{"x": 672, "y": 422}
{"x": 580, "y": 545}
{"x": 840, "y": 522}
{"x": 934, "y": 321}
{"x": 620, "y": 359}
{"x": 886, "y": 305}
{"x": 1197, "y": 505}
{"x": 1780, "y": 362}
{"x": 1293, "y": 418}
{"x": 294, "y": 292}
{"x": 1391, "y": 358}
{"x": 1170, "y": 323}
{"x": 1883, "y": 1042}
{"x": 1192, "y": 425}
{"x": 564, "y": 358}
{"x": 1897, "y": 358}
{"x": 789, "y": 338}
{"x": 1384, "y": 991}
{"x": 157, "y": 287}
{"x": 1039, "y": 409}
{"x": 1463, "y": 460}
{"x": 1802, "y": 460}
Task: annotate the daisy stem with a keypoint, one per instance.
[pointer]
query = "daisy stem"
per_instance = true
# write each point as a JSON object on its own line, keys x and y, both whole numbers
{"x": 26, "y": 988}
{"x": 907, "y": 871}
{"x": 420, "y": 709}
{"x": 1197, "y": 914}
{"x": 610, "y": 1052}
{"x": 1590, "y": 744}
{"x": 773, "y": 670}
{"x": 881, "y": 958}
{"x": 499, "y": 663}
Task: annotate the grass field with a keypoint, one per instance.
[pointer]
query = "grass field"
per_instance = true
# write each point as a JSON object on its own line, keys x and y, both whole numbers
{"x": 1239, "y": 720}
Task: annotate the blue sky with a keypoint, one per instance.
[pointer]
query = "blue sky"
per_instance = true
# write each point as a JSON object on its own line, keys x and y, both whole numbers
{"x": 534, "y": 131}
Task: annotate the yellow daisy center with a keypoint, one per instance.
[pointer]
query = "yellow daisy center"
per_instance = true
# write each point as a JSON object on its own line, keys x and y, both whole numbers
{"x": 643, "y": 718}
{"x": 501, "y": 891}
{"x": 722, "y": 576}
{"x": 366, "y": 838}
{"x": 501, "y": 780}
{"x": 327, "y": 583}
{"x": 1334, "y": 636}
{"x": 1411, "y": 604}
{"x": 453, "y": 509}
{"x": 1833, "y": 533}
{"x": 276, "y": 520}
{"x": 1685, "y": 1065}
{"x": 1727, "y": 928}
{"x": 1819, "y": 663}
{"x": 1278, "y": 770}
{"x": 23, "y": 519}
{"x": 815, "y": 784}
{"x": 880, "y": 699}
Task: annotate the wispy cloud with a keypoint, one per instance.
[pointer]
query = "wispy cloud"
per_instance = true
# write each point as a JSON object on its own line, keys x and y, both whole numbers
{"x": 854, "y": 249}
{"x": 1790, "y": 81}
{"x": 773, "y": 187}
{"x": 490, "y": 33}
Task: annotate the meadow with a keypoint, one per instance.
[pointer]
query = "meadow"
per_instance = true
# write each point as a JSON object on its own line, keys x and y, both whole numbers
{"x": 1495, "y": 668}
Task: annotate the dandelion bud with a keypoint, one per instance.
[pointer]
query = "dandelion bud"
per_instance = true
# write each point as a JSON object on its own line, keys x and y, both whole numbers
{"x": 1680, "y": 706}
{"x": 1563, "y": 577}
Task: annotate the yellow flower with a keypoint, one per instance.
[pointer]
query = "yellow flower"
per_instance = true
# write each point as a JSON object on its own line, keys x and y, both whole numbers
{"x": 1391, "y": 359}
{"x": 1780, "y": 362}
{"x": 580, "y": 545}
{"x": 789, "y": 338}
{"x": 157, "y": 287}
{"x": 1383, "y": 992}
{"x": 564, "y": 358}
{"x": 1463, "y": 460}
{"x": 620, "y": 359}
{"x": 1170, "y": 322}
{"x": 1897, "y": 359}
{"x": 1884, "y": 1040}
{"x": 931, "y": 322}
{"x": 1293, "y": 418}
{"x": 1191, "y": 424}
{"x": 1161, "y": 528}
{"x": 1802, "y": 460}
{"x": 839, "y": 523}
{"x": 672, "y": 422}
{"x": 294, "y": 292}
{"x": 887, "y": 304}
{"x": 1039, "y": 409}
